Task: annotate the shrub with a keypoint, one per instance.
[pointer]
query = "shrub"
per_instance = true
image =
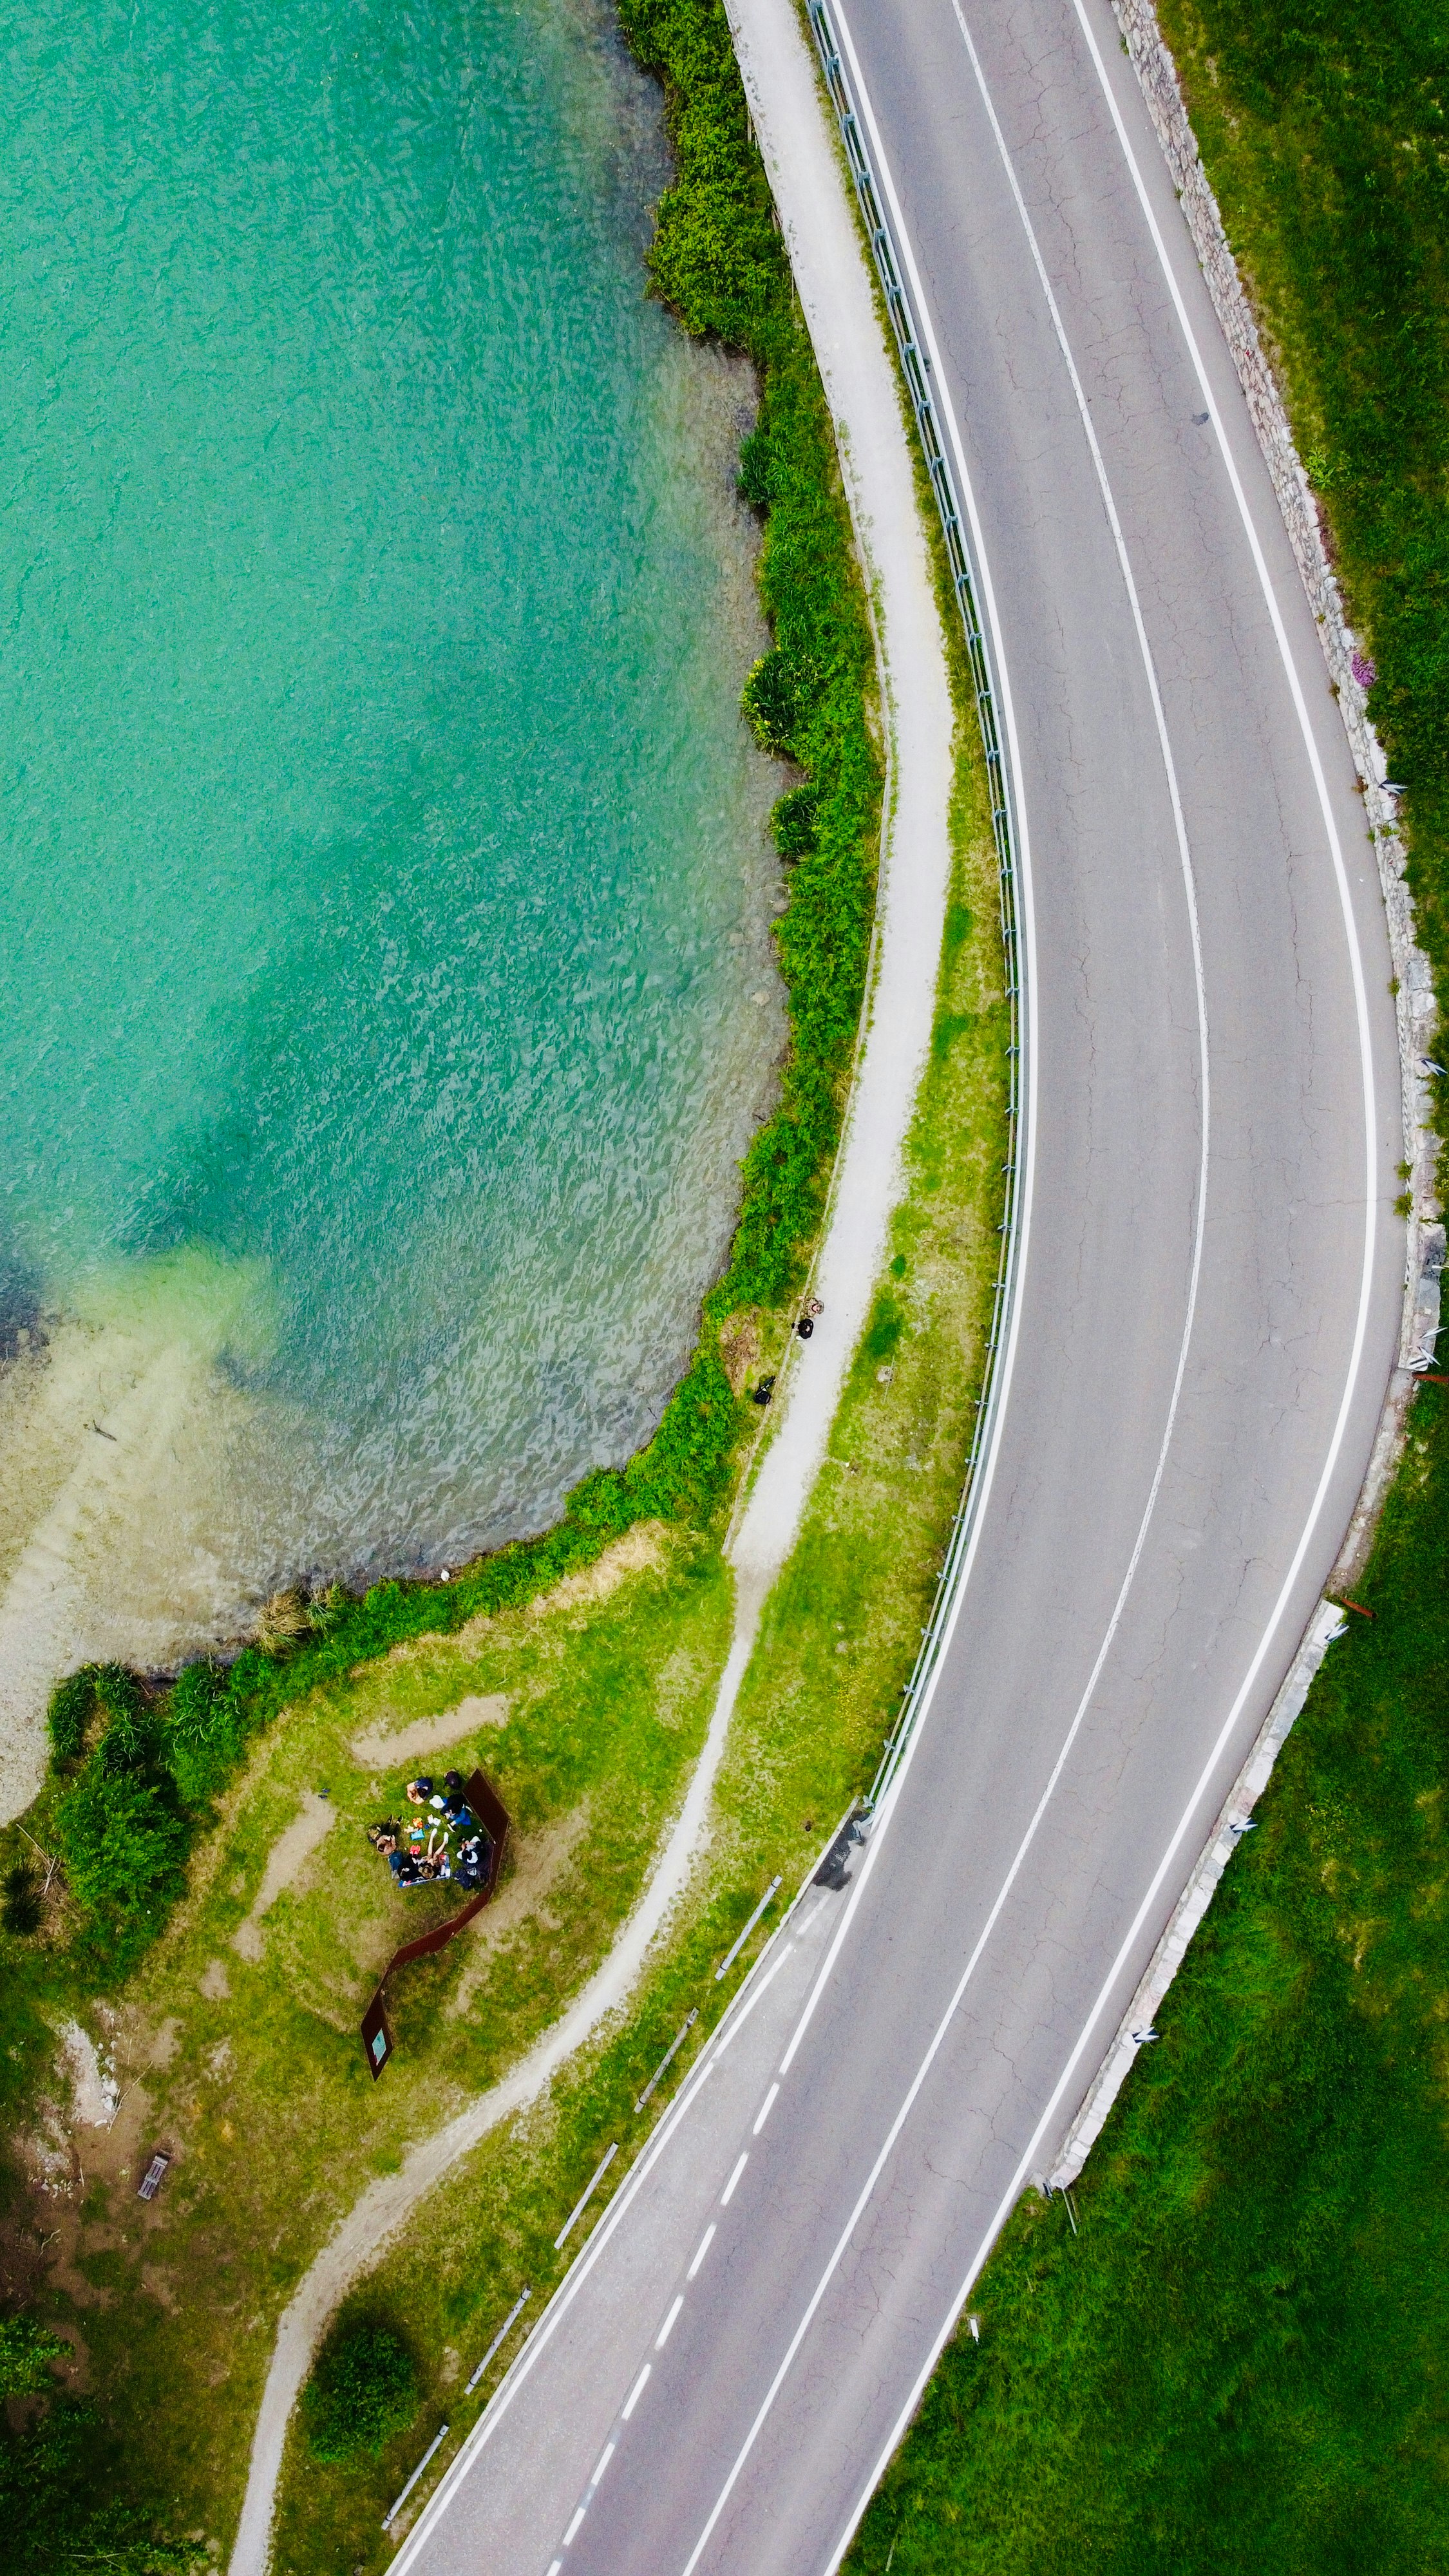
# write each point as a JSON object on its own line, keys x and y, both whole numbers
{"x": 61, "y": 2507}
{"x": 363, "y": 2390}
{"x": 754, "y": 483}
{"x": 776, "y": 698}
{"x": 74, "y": 1702}
{"x": 119, "y": 1839}
{"x": 205, "y": 1730}
{"x": 72, "y": 1706}
{"x": 198, "y": 1698}
{"x": 26, "y": 2352}
{"x": 20, "y": 1912}
{"x": 793, "y": 823}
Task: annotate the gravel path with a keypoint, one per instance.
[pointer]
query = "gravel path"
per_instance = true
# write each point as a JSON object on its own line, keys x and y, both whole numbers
{"x": 836, "y": 295}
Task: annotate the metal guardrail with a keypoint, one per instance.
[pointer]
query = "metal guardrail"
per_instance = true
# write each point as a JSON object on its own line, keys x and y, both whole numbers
{"x": 948, "y": 501}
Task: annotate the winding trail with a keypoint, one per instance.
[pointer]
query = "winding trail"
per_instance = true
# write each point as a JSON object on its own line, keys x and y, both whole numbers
{"x": 837, "y": 298}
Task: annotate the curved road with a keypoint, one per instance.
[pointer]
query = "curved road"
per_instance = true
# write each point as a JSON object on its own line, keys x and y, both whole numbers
{"x": 1205, "y": 1321}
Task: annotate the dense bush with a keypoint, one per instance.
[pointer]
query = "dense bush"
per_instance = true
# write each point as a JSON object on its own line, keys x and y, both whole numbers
{"x": 107, "y": 1689}
{"x": 119, "y": 1827}
{"x": 72, "y": 1706}
{"x": 26, "y": 2353}
{"x": 62, "y": 2509}
{"x": 363, "y": 2390}
{"x": 20, "y": 1906}
{"x": 793, "y": 823}
{"x": 206, "y": 1730}
{"x": 777, "y": 699}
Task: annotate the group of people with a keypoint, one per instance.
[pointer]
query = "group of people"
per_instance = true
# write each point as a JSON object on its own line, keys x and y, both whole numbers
{"x": 804, "y": 1326}
{"x": 443, "y": 1842}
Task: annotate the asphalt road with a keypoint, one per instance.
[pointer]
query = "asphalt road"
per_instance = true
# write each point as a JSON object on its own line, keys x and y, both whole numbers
{"x": 1206, "y": 1319}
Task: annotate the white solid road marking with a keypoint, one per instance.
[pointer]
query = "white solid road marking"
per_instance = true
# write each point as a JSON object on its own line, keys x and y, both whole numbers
{"x": 605, "y": 2456}
{"x": 705, "y": 2242}
{"x": 636, "y": 2392}
{"x": 569, "y": 2535}
{"x": 1190, "y": 893}
{"x": 1124, "y": 1954}
{"x": 743, "y": 2013}
{"x": 766, "y": 2107}
{"x": 667, "y": 2329}
{"x": 728, "y": 2193}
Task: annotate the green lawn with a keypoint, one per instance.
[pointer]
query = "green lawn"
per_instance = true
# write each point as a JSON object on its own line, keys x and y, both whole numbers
{"x": 1237, "y": 2363}
{"x": 249, "y": 2067}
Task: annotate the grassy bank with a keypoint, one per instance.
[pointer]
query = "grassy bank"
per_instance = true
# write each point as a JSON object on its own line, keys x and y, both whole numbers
{"x": 237, "y": 2043}
{"x": 841, "y": 1636}
{"x": 1236, "y": 2362}
{"x": 582, "y": 1662}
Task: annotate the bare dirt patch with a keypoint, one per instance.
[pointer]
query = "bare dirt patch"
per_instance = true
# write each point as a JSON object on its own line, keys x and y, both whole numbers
{"x": 94, "y": 2090}
{"x": 285, "y": 1862}
{"x": 380, "y": 1750}
{"x": 637, "y": 1552}
{"x": 739, "y": 1350}
{"x": 541, "y": 1860}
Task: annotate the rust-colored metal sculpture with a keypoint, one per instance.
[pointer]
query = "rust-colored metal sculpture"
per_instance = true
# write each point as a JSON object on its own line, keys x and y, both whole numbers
{"x": 488, "y": 1810}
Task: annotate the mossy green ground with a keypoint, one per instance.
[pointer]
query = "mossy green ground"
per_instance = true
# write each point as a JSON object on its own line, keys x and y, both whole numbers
{"x": 1237, "y": 2363}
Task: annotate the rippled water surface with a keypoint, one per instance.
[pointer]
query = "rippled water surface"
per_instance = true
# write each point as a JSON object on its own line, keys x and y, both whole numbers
{"x": 385, "y": 994}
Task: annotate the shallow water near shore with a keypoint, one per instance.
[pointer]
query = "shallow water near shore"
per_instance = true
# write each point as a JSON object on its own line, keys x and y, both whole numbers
{"x": 387, "y": 993}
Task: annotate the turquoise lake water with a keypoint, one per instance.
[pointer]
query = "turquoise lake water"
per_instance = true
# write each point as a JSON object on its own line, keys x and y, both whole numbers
{"x": 386, "y": 991}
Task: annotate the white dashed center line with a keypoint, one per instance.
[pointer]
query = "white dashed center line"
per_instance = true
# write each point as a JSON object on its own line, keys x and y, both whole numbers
{"x": 704, "y": 2245}
{"x": 766, "y": 2107}
{"x": 605, "y": 2457}
{"x": 667, "y": 2329}
{"x": 573, "y": 2526}
{"x": 728, "y": 2193}
{"x": 636, "y": 2392}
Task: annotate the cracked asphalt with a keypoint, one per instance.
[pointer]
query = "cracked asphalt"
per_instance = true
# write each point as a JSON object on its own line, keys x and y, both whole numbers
{"x": 1175, "y": 1470}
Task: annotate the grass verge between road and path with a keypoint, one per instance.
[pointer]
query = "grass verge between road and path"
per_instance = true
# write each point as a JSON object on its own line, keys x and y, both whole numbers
{"x": 581, "y": 1667}
{"x": 1235, "y": 2363}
